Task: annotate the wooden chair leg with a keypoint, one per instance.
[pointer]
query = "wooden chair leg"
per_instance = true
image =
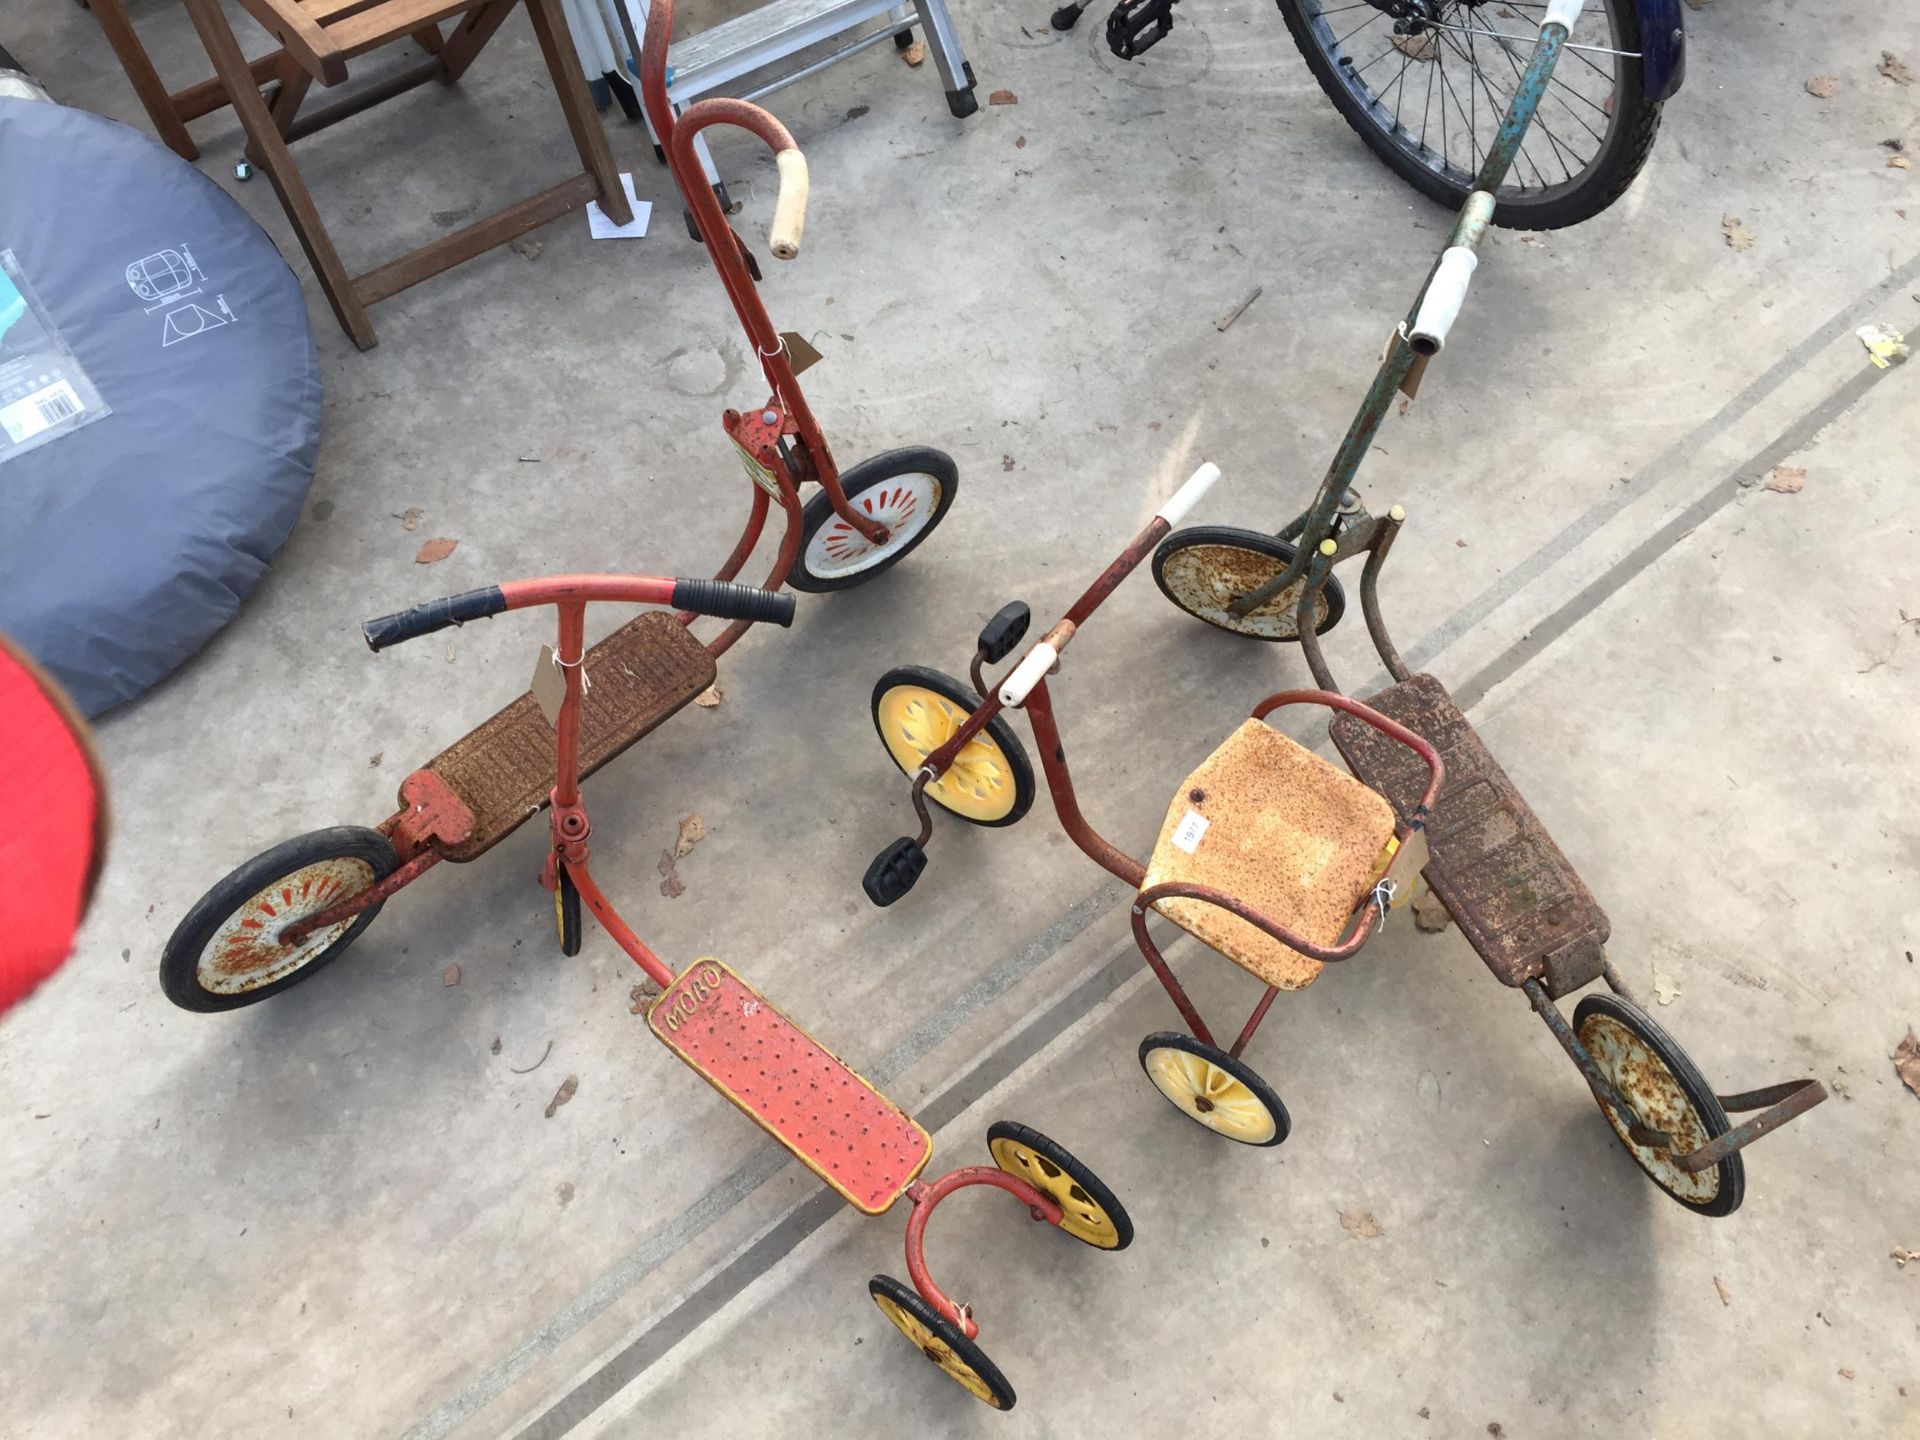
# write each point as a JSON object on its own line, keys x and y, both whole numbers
{"x": 231, "y": 66}
{"x": 570, "y": 87}
{"x": 475, "y": 29}
{"x": 284, "y": 103}
{"x": 146, "y": 81}
{"x": 427, "y": 37}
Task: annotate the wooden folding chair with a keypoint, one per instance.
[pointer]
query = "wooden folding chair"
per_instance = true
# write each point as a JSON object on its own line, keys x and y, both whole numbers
{"x": 169, "y": 110}
{"x": 319, "y": 38}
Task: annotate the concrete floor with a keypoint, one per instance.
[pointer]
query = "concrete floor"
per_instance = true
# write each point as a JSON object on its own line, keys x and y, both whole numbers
{"x": 342, "y": 1214}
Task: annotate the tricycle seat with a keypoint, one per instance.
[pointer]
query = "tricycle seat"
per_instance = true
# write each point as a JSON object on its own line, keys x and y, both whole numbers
{"x": 502, "y": 771}
{"x": 1269, "y": 822}
{"x": 839, "y": 1126}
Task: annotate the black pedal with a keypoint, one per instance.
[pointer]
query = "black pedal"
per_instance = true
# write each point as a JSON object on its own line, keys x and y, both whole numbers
{"x": 894, "y": 870}
{"x": 1136, "y": 26}
{"x": 1003, "y": 632}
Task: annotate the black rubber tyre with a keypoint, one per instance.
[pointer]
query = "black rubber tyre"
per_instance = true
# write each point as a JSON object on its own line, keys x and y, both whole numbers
{"x": 566, "y": 913}
{"x": 995, "y": 773}
{"x": 338, "y": 863}
{"x": 1241, "y": 560}
{"x": 1090, "y": 1212}
{"x": 1603, "y": 178}
{"x": 940, "y": 1340}
{"x": 914, "y": 486}
{"x": 1249, "y": 1115}
{"x": 1680, "y": 1102}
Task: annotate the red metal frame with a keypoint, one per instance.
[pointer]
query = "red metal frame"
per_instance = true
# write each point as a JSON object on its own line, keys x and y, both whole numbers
{"x": 925, "y": 1194}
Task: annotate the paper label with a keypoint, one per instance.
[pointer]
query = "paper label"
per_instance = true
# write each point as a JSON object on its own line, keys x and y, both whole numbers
{"x": 800, "y": 352}
{"x": 549, "y": 685}
{"x": 1403, "y": 870}
{"x": 1186, "y": 835}
{"x": 44, "y": 393}
{"x": 757, "y": 472}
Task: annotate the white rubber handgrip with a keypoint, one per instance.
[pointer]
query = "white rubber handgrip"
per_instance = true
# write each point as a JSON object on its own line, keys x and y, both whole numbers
{"x": 1562, "y": 12}
{"x": 1440, "y": 305}
{"x": 790, "y": 209}
{"x": 1188, "y": 495}
{"x": 1027, "y": 674}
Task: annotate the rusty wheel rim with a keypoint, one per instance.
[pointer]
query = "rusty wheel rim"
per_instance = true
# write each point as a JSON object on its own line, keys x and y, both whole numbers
{"x": 245, "y": 953}
{"x": 1203, "y": 573}
{"x": 1642, "y": 1075}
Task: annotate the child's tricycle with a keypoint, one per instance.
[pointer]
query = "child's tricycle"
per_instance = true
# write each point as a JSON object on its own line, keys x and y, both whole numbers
{"x": 1283, "y": 862}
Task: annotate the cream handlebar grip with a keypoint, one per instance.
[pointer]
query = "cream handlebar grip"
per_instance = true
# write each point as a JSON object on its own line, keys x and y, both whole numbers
{"x": 1440, "y": 305}
{"x": 1188, "y": 495}
{"x": 1027, "y": 674}
{"x": 1563, "y": 13}
{"x": 790, "y": 209}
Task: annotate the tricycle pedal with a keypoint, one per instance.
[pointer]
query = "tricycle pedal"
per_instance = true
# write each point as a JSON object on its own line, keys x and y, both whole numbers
{"x": 1004, "y": 631}
{"x": 894, "y": 870}
{"x": 1136, "y": 26}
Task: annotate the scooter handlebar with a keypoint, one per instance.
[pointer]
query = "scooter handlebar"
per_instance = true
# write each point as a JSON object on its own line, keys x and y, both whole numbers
{"x": 434, "y": 615}
{"x": 724, "y": 600}
{"x": 790, "y": 209}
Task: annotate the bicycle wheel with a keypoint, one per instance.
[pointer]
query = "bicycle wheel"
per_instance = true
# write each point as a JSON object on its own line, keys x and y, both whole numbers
{"x": 1429, "y": 99}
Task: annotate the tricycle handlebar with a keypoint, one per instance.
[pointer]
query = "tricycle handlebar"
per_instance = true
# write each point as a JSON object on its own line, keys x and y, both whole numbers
{"x": 790, "y": 209}
{"x": 719, "y": 598}
{"x": 1188, "y": 495}
{"x": 433, "y": 615}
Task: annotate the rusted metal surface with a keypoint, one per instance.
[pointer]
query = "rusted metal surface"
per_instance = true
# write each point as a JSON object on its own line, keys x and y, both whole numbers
{"x": 1210, "y": 576}
{"x": 1066, "y": 804}
{"x": 1784, "y": 1102}
{"x": 433, "y": 813}
{"x": 1506, "y": 884}
{"x": 925, "y": 1195}
{"x": 250, "y": 949}
{"x": 837, "y": 1124}
{"x": 296, "y": 934}
{"x": 1110, "y": 578}
{"x": 503, "y": 770}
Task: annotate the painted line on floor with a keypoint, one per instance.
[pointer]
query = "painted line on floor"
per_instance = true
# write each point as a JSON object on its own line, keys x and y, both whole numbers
{"x": 664, "y": 1243}
{"x": 629, "y": 1363}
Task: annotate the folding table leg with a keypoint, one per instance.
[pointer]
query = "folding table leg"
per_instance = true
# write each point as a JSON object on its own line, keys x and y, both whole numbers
{"x": 956, "y": 75}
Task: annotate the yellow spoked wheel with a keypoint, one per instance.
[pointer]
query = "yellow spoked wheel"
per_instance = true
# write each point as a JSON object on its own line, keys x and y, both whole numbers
{"x": 917, "y": 710}
{"x": 940, "y": 1340}
{"x": 566, "y": 913}
{"x": 1089, "y": 1211}
{"x": 1207, "y": 1084}
{"x": 1655, "y": 1076}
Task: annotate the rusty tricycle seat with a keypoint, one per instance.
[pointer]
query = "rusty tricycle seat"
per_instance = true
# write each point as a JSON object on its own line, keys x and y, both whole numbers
{"x": 502, "y": 770}
{"x": 1269, "y": 822}
{"x": 790, "y": 1085}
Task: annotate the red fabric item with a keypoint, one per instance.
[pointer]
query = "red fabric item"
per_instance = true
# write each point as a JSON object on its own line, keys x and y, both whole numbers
{"x": 52, "y": 825}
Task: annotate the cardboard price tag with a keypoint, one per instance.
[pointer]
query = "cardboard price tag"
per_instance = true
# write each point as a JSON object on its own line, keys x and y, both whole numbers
{"x": 549, "y": 685}
{"x": 800, "y": 353}
{"x": 1403, "y": 871}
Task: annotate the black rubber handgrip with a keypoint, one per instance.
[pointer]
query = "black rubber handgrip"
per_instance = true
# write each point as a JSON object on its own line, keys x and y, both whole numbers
{"x": 727, "y": 601}
{"x": 434, "y": 615}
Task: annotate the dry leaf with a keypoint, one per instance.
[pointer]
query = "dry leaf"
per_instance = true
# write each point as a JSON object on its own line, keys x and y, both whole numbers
{"x": 410, "y": 517}
{"x": 373, "y": 760}
{"x": 435, "y": 550}
{"x": 1821, "y": 87}
{"x": 563, "y": 1094}
{"x": 1606, "y": 106}
{"x": 564, "y": 1193}
{"x": 1006, "y": 462}
{"x": 670, "y": 884}
{"x": 1003, "y": 97}
{"x": 450, "y": 975}
{"x": 708, "y": 698}
{"x": 1738, "y": 236}
{"x": 1846, "y": 1374}
{"x": 1906, "y": 1061}
{"x": 1726, "y": 1297}
{"x": 915, "y": 53}
{"x": 529, "y": 248}
{"x": 1430, "y": 913}
{"x": 1899, "y": 162}
{"x": 1361, "y": 1224}
{"x": 496, "y": 1044}
{"x": 1894, "y": 68}
{"x": 1416, "y": 47}
{"x": 1901, "y": 1255}
{"x": 639, "y": 997}
{"x": 1665, "y": 988}
{"x": 1020, "y": 143}
{"x": 1786, "y": 479}
{"x": 692, "y": 831}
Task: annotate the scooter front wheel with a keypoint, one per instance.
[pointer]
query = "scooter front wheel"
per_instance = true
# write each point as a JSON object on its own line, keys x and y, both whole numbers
{"x": 227, "y": 952}
{"x": 1205, "y": 568}
{"x": 917, "y": 710}
{"x": 909, "y": 491}
{"x": 941, "y": 1341}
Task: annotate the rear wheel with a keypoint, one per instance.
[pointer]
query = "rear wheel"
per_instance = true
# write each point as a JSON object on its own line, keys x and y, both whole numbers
{"x": 227, "y": 952}
{"x": 1429, "y": 102}
{"x": 909, "y": 491}
{"x": 941, "y": 1341}
{"x": 1205, "y": 568}
{"x": 918, "y": 710}
{"x": 1215, "y": 1089}
{"x": 1655, "y": 1076}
